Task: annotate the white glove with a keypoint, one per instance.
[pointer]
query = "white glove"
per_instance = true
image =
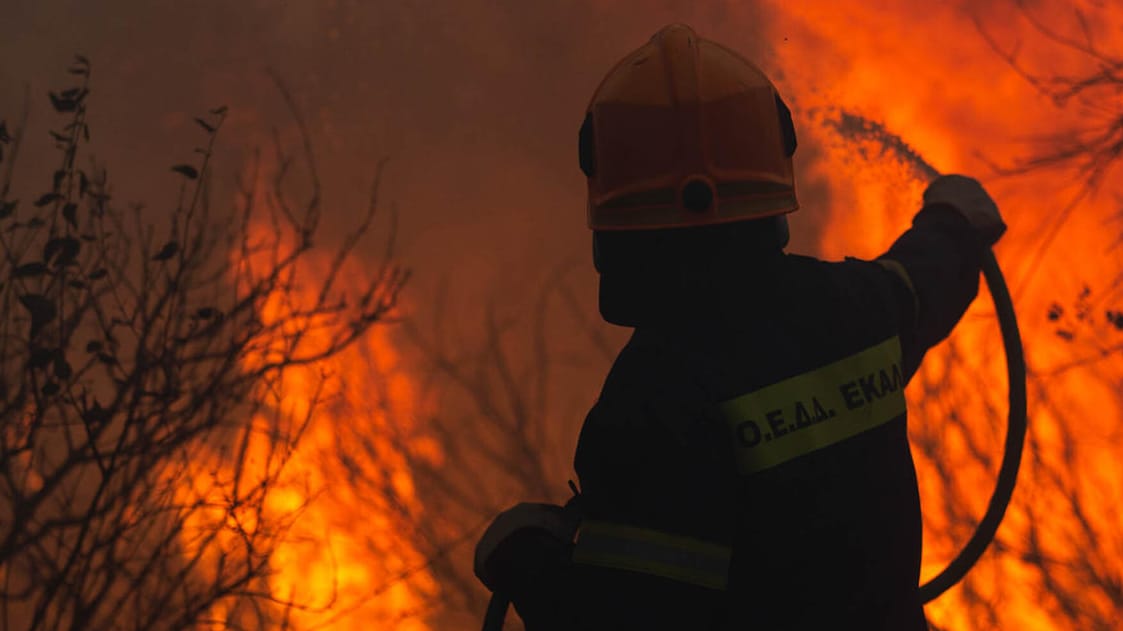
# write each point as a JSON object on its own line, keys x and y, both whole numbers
{"x": 966, "y": 195}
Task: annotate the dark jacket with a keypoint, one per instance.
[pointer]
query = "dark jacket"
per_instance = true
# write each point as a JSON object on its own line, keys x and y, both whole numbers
{"x": 829, "y": 537}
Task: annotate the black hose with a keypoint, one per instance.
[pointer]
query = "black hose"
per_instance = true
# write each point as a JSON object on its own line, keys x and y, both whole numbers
{"x": 496, "y": 612}
{"x": 1015, "y": 438}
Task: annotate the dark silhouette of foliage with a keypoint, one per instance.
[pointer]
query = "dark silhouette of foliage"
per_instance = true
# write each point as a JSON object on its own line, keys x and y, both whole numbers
{"x": 129, "y": 373}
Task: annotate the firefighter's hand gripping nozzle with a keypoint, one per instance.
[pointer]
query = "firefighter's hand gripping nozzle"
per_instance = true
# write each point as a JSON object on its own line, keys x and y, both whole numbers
{"x": 971, "y": 200}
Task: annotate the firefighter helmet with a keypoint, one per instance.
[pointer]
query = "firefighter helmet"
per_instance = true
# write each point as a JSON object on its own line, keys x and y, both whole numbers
{"x": 685, "y": 132}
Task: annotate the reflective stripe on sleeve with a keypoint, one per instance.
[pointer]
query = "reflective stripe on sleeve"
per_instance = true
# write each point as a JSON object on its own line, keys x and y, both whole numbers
{"x": 653, "y": 552}
{"x": 816, "y": 409}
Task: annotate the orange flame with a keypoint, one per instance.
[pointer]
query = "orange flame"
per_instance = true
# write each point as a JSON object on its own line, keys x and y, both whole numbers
{"x": 336, "y": 505}
{"x": 926, "y": 71}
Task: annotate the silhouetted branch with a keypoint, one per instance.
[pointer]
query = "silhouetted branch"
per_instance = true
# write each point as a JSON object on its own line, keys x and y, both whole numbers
{"x": 143, "y": 374}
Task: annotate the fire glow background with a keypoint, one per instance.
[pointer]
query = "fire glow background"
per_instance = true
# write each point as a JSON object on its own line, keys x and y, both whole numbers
{"x": 477, "y": 105}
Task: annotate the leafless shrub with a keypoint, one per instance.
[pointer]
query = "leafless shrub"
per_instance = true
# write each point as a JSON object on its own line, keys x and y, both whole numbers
{"x": 140, "y": 372}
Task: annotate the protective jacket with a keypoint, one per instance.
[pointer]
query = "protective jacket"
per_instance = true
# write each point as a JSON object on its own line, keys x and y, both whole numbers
{"x": 747, "y": 464}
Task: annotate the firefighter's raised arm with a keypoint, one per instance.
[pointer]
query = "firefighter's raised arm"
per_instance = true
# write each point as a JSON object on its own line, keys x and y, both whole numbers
{"x": 938, "y": 259}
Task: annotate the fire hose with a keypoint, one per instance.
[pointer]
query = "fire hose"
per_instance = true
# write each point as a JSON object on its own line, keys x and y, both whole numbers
{"x": 1016, "y": 379}
{"x": 858, "y": 127}
{"x": 1015, "y": 438}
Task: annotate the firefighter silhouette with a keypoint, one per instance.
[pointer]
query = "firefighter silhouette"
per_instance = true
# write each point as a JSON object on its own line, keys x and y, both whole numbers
{"x": 746, "y": 465}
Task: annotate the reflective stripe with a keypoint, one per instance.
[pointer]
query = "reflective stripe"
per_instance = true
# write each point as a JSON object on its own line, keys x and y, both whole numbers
{"x": 900, "y": 271}
{"x": 817, "y": 409}
{"x": 653, "y": 552}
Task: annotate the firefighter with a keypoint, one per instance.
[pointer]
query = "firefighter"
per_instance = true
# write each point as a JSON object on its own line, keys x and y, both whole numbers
{"x": 747, "y": 464}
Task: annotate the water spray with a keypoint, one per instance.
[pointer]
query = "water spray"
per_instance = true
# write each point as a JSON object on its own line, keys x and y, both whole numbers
{"x": 856, "y": 128}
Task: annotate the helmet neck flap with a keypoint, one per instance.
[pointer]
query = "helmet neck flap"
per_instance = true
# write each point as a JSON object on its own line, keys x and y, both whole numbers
{"x": 656, "y": 276}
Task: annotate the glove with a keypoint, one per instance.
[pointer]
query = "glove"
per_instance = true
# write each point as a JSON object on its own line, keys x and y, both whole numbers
{"x": 968, "y": 197}
{"x": 525, "y": 556}
{"x": 540, "y": 525}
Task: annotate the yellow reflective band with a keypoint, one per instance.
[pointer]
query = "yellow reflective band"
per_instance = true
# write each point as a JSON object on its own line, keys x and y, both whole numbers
{"x": 903, "y": 274}
{"x": 817, "y": 409}
{"x": 653, "y": 552}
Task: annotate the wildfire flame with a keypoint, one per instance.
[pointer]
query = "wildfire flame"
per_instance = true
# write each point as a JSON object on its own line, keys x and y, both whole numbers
{"x": 926, "y": 72}
{"x": 336, "y": 491}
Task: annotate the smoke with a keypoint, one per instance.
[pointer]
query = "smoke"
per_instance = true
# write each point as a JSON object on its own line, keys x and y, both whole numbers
{"x": 476, "y": 104}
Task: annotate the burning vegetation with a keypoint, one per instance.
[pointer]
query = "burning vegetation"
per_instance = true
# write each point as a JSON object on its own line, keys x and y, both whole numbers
{"x": 179, "y": 449}
{"x": 204, "y": 423}
{"x": 1038, "y": 117}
